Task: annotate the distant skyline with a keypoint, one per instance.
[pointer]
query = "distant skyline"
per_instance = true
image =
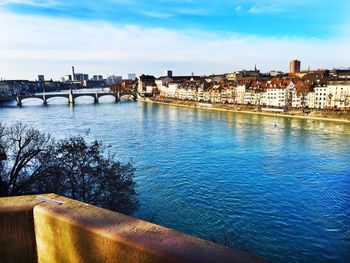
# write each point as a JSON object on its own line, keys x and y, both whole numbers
{"x": 117, "y": 37}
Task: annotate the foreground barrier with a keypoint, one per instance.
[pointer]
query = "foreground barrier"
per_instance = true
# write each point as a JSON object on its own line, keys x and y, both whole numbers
{"x": 51, "y": 228}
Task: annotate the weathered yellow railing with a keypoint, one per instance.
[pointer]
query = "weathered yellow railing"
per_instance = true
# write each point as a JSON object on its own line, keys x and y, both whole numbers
{"x": 51, "y": 228}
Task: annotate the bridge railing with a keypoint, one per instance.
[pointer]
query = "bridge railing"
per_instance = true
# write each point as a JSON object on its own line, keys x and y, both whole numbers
{"x": 105, "y": 90}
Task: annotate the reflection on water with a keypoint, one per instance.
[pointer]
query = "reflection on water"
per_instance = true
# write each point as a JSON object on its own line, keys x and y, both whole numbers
{"x": 279, "y": 192}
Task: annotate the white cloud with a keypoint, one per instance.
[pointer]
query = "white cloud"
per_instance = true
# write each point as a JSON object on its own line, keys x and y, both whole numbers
{"x": 268, "y": 9}
{"x": 41, "y": 3}
{"x": 155, "y": 14}
{"x": 191, "y": 11}
{"x": 31, "y": 45}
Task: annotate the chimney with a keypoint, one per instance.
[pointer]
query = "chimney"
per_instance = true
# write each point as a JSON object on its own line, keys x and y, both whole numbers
{"x": 73, "y": 74}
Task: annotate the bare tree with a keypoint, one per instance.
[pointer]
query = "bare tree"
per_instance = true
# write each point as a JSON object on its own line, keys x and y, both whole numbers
{"x": 35, "y": 163}
{"x": 93, "y": 176}
{"x": 24, "y": 148}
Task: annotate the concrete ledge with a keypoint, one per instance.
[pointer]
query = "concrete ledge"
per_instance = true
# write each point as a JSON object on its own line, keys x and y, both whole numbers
{"x": 17, "y": 236}
{"x": 65, "y": 230}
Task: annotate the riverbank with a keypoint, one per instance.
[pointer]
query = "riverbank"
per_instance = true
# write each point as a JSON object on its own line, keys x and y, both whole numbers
{"x": 334, "y": 116}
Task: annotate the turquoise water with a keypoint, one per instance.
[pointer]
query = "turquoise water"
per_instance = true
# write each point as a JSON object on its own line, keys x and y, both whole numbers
{"x": 282, "y": 192}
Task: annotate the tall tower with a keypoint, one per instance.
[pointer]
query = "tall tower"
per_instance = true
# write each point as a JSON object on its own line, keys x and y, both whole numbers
{"x": 168, "y": 73}
{"x": 73, "y": 74}
{"x": 294, "y": 66}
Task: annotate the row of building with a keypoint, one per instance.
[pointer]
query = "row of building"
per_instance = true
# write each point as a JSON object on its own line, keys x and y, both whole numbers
{"x": 319, "y": 89}
{"x": 84, "y": 79}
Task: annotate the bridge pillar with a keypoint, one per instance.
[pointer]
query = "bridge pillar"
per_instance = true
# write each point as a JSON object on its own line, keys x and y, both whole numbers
{"x": 45, "y": 100}
{"x": 117, "y": 97}
{"x": 71, "y": 97}
{"x": 96, "y": 98}
{"x": 135, "y": 96}
{"x": 19, "y": 101}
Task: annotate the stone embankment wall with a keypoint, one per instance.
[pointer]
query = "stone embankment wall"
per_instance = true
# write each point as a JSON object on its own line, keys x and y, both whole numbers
{"x": 51, "y": 228}
{"x": 331, "y": 115}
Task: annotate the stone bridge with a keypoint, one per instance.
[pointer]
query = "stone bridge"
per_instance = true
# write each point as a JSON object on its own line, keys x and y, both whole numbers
{"x": 71, "y": 96}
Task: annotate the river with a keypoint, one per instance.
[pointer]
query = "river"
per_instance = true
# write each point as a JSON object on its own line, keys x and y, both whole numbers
{"x": 282, "y": 192}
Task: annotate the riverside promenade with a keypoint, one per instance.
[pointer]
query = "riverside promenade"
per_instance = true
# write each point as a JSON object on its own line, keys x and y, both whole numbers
{"x": 320, "y": 115}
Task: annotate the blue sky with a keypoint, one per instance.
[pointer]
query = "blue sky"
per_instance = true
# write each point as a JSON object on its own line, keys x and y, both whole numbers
{"x": 238, "y": 30}
{"x": 312, "y": 18}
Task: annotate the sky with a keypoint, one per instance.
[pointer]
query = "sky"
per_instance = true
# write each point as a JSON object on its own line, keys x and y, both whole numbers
{"x": 116, "y": 37}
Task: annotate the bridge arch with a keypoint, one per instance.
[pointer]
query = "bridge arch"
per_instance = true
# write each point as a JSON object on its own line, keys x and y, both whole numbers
{"x": 114, "y": 95}
{"x": 50, "y": 97}
{"x": 56, "y": 96}
{"x": 128, "y": 96}
{"x": 93, "y": 96}
{"x": 77, "y": 95}
{"x": 21, "y": 99}
{"x": 105, "y": 95}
